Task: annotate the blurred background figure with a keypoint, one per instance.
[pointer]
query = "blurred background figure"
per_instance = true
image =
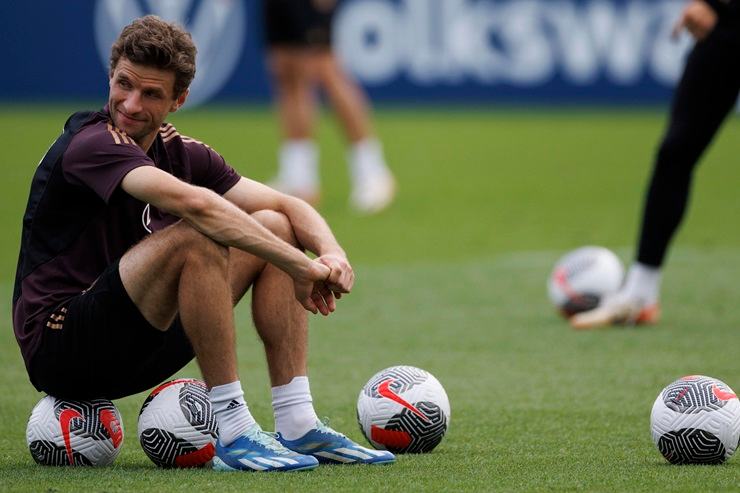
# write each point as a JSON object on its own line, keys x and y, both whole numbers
{"x": 706, "y": 94}
{"x": 301, "y": 60}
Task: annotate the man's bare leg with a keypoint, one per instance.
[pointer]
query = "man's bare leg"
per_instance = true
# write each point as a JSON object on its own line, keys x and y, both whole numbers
{"x": 179, "y": 270}
{"x": 282, "y": 324}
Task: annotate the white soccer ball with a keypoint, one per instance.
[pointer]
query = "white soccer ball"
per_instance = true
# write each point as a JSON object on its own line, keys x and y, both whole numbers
{"x": 403, "y": 409}
{"x": 74, "y": 433}
{"x": 582, "y": 277}
{"x": 177, "y": 427}
{"x": 696, "y": 420}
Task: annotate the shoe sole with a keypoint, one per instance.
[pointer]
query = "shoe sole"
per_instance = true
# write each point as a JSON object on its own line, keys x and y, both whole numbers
{"x": 325, "y": 461}
{"x": 649, "y": 315}
{"x": 221, "y": 466}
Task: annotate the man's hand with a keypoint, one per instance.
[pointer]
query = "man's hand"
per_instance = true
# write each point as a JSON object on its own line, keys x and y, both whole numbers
{"x": 698, "y": 18}
{"x": 311, "y": 289}
{"x": 342, "y": 277}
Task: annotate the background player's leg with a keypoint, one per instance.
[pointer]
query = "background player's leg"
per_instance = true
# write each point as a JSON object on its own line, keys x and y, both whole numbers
{"x": 346, "y": 97}
{"x": 705, "y": 95}
{"x": 373, "y": 185}
{"x": 298, "y": 172}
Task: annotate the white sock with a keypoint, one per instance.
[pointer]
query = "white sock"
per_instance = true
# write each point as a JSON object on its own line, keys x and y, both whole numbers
{"x": 293, "y": 408}
{"x": 299, "y": 164}
{"x": 231, "y": 411}
{"x": 366, "y": 158}
{"x": 643, "y": 283}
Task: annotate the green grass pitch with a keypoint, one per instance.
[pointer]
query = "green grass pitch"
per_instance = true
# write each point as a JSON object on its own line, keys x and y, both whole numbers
{"x": 452, "y": 279}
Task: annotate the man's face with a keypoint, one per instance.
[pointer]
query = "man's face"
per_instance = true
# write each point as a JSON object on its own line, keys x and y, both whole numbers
{"x": 140, "y": 99}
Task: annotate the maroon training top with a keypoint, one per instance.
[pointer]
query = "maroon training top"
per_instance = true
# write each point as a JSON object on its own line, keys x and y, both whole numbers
{"x": 78, "y": 219}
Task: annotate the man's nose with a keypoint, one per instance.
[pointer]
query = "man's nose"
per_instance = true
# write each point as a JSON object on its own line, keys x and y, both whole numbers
{"x": 132, "y": 104}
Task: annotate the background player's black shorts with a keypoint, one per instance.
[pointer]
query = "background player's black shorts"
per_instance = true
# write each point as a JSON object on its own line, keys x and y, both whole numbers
{"x": 106, "y": 348}
{"x": 298, "y": 23}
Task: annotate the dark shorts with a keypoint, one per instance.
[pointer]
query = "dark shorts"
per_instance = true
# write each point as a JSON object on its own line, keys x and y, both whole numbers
{"x": 298, "y": 23}
{"x": 98, "y": 345}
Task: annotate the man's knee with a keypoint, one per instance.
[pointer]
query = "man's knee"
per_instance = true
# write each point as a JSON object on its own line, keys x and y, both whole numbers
{"x": 278, "y": 223}
{"x": 193, "y": 245}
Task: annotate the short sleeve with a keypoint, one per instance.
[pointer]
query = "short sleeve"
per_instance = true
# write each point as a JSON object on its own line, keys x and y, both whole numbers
{"x": 100, "y": 156}
{"x": 209, "y": 168}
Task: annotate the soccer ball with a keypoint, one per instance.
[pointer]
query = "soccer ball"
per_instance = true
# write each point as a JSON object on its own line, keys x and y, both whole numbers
{"x": 696, "y": 420}
{"x": 177, "y": 427}
{"x": 403, "y": 409}
{"x": 74, "y": 433}
{"x": 582, "y": 277}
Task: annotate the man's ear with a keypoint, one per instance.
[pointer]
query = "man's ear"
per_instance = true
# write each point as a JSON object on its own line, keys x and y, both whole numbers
{"x": 180, "y": 100}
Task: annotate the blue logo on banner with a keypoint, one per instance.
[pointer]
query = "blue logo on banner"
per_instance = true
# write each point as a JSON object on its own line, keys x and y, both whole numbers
{"x": 218, "y": 28}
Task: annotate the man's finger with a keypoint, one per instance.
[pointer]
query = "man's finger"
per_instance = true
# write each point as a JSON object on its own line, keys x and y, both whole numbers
{"x": 320, "y": 303}
{"x": 309, "y": 305}
{"x": 328, "y": 298}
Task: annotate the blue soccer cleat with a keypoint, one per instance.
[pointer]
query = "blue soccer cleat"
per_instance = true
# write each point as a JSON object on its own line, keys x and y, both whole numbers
{"x": 331, "y": 447}
{"x": 259, "y": 451}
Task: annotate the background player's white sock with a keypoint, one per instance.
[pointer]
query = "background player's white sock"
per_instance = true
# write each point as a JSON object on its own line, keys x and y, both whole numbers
{"x": 299, "y": 166}
{"x": 231, "y": 411}
{"x": 373, "y": 185}
{"x": 293, "y": 408}
{"x": 366, "y": 159}
{"x": 643, "y": 283}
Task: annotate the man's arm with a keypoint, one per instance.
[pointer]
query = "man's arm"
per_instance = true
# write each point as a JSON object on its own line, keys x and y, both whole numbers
{"x": 699, "y": 18}
{"x": 228, "y": 225}
{"x": 310, "y": 229}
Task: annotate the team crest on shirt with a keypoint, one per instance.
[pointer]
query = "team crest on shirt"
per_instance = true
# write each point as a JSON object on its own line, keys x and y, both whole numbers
{"x": 218, "y": 28}
{"x": 146, "y": 218}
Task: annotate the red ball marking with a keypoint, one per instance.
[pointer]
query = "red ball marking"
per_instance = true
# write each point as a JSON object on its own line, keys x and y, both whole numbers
{"x": 197, "y": 458}
{"x": 390, "y": 438}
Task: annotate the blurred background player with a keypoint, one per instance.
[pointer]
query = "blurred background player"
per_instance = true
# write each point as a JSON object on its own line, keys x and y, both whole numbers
{"x": 301, "y": 59}
{"x": 707, "y": 92}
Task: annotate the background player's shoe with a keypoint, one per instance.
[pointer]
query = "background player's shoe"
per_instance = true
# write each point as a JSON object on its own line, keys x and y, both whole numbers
{"x": 331, "y": 447}
{"x": 373, "y": 192}
{"x": 259, "y": 451}
{"x": 617, "y": 310}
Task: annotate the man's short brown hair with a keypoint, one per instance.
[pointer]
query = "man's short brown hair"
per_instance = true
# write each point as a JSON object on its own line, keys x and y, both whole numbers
{"x": 153, "y": 42}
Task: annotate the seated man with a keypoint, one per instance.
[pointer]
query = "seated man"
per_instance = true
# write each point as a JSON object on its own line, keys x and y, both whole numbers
{"x": 137, "y": 242}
